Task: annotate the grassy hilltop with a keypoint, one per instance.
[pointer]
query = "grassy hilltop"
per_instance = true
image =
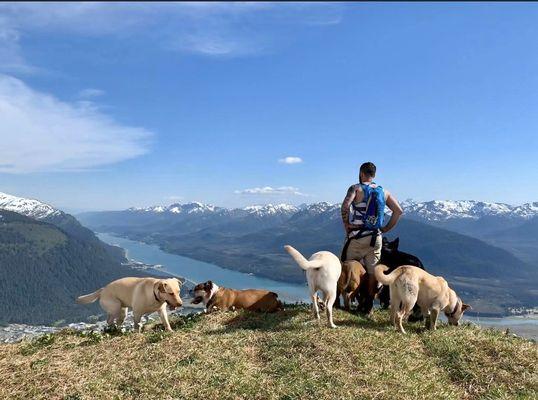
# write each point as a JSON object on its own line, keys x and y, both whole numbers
{"x": 239, "y": 355}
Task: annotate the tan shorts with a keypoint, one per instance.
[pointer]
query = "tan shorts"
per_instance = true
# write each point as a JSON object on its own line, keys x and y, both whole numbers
{"x": 360, "y": 250}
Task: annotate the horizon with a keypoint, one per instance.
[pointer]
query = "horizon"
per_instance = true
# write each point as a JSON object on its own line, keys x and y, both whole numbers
{"x": 106, "y": 106}
{"x": 274, "y": 204}
{"x": 403, "y": 202}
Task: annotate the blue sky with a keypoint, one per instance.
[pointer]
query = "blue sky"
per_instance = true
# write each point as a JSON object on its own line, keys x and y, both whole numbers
{"x": 107, "y": 106}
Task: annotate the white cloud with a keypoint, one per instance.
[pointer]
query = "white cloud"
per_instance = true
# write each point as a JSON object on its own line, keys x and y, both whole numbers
{"x": 290, "y": 160}
{"x": 41, "y": 133}
{"x": 211, "y": 28}
{"x": 268, "y": 190}
{"x": 90, "y": 93}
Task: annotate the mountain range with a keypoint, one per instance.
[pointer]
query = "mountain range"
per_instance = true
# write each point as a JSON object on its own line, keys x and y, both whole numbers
{"x": 443, "y": 210}
{"x": 483, "y": 265}
{"x": 513, "y": 228}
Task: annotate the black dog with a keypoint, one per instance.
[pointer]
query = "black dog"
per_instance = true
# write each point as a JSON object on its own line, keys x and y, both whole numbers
{"x": 393, "y": 258}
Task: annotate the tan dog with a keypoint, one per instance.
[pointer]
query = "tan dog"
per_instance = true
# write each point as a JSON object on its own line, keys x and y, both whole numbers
{"x": 225, "y": 299}
{"x": 143, "y": 295}
{"x": 410, "y": 285}
{"x": 349, "y": 282}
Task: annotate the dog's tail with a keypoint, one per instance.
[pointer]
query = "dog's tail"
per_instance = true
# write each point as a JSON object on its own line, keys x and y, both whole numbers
{"x": 303, "y": 262}
{"x": 386, "y": 279}
{"x": 89, "y": 298}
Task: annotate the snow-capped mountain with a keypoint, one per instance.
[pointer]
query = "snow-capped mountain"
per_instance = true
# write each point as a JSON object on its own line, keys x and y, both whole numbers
{"x": 443, "y": 210}
{"x": 320, "y": 208}
{"x": 201, "y": 208}
{"x": 29, "y": 207}
{"x": 177, "y": 208}
{"x": 193, "y": 208}
{"x": 527, "y": 210}
{"x": 271, "y": 209}
{"x": 44, "y": 212}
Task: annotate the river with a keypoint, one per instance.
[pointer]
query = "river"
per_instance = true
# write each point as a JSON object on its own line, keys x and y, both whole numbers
{"x": 199, "y": 271}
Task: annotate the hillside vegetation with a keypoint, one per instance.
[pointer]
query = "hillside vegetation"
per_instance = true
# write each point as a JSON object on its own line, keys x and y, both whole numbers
{"x": 44, "y": 268}
{"x": 286, "y": 355}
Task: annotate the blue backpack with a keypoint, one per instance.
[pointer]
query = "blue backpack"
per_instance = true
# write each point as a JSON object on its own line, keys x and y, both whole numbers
{"x": 374, "y": 198}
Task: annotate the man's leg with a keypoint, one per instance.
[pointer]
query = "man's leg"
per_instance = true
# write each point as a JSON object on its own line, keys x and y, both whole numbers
{"x": 357, "y": 250}
{"x": 371, "y": 259}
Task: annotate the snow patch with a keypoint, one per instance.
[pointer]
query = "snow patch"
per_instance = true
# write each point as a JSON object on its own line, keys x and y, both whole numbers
{"x": 28, "y": 207}
{"x": 442, "y": 210}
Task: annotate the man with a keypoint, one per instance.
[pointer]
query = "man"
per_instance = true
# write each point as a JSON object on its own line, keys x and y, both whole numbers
{"x": 363, "y": 228}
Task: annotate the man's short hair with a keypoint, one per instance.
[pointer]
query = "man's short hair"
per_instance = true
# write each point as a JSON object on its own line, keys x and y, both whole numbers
{"x": 368, "y": 169}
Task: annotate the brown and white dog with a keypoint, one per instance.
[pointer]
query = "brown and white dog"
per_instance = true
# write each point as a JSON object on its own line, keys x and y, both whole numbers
{"x": 411, "y": 285}
{"x": 349, "y": 283}
{"x": 143, "y": 295}
{"x": 224, "y": 299}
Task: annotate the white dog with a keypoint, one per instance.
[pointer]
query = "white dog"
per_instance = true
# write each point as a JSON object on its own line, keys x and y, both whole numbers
{"x": 322, "y": 273}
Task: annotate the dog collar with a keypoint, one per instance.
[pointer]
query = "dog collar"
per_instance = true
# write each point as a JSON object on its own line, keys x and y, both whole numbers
{"x": 156, "y": 298}
{"x": 211, "y": 301}
{"x": 213, "y": 293}
{"x": 455, "y": 308}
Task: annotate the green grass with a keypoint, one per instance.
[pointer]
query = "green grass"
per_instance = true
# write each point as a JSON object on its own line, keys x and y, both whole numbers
{"x": 287, "y": 355}
{"x": 37, "y": 344}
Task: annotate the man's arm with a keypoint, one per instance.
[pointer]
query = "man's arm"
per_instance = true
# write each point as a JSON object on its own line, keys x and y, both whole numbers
{"x": 346, "y": 204}
{"x": 396, "y": 209}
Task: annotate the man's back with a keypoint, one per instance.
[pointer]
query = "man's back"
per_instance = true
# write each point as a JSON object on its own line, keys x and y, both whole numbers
{"x": 355, "y": 197}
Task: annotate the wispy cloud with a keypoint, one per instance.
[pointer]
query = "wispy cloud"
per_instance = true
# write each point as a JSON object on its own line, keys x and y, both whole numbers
{"x": 11, "y": 58}
{"x": 268, "y": 190}
{"x": 90, "y": 93}
{"x": 290, "y": 160}
{"x": 211, "y": 29}
{"x": 41, "y": 133}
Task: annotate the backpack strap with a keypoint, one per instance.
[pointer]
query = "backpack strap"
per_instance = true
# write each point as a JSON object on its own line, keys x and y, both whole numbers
{"x": 375, "y": 234}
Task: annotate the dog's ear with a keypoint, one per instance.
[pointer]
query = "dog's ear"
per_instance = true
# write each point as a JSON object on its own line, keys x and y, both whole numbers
{"x": 395, "y": 243}
{"x": 179, "y": 282}
{"x": 465, "y": 307}
{"x": 161, "y": 288}
{"x": 208, "y": 285}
